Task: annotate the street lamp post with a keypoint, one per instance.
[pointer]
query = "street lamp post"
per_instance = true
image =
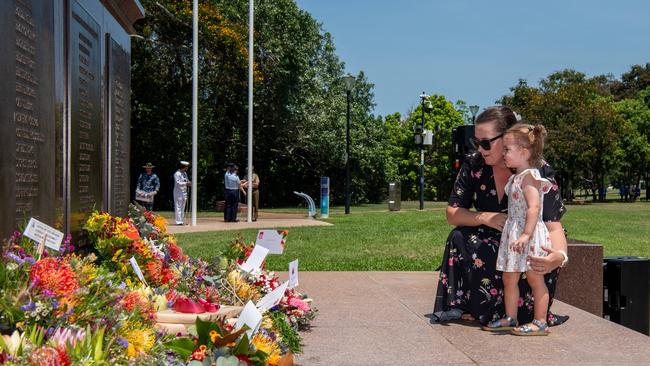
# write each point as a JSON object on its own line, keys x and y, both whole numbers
{"x": 424, "y": 99}
{"x": 474, "y": 110}
{"x": 349, "y": 85}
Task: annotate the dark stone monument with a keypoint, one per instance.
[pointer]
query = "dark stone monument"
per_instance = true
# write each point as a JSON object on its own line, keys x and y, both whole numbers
{"x": 64, "y": 110}
{"x": 119, "y": 84}
{"x": 26, "y": 112}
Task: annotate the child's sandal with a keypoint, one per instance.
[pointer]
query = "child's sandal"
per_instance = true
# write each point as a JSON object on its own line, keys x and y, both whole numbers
{"x": 527, "y": 330}
{"x": 497, "y": 325}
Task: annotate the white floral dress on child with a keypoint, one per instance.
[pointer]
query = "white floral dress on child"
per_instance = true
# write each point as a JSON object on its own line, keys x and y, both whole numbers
{"x": 509, "y": 260}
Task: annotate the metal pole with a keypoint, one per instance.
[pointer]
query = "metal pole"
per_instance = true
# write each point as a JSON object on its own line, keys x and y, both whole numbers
{"x": 195, "y": 104}
{"x": 422, "y": 160}
{"x": 347, "y": 158}
{"x": 249, "y": 196}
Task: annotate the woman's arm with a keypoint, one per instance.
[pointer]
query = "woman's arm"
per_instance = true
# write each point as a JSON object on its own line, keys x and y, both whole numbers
{"x": 554, "y": 258}
{"x": 460, "y": 216}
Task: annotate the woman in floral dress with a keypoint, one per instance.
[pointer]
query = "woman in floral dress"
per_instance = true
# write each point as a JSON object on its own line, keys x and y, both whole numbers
{"x": 469, "y": 283}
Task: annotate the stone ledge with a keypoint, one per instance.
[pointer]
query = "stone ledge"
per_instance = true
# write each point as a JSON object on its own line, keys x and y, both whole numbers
{"x": 386, "y": 322}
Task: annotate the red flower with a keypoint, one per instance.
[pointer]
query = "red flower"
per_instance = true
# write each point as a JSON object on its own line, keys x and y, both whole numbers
{"x": 135, "y": 301}
{"x": 132, "y": 232}
{"x": 54, "y": 275}
{"x": 49, "y": 356}
{"x": 175, "y": 252}
{"x": 245, "y": 359}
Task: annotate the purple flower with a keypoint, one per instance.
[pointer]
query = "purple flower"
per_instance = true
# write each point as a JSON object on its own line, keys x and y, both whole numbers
{"x": 122, "y": 286}
{"x": 15, "y": 258}
{"x": 48, "y": 293}
{"x": 30, "y": 260}
{"x": 122, "y": 342}
{"x": 55, "y": 304}
{"x": 30, "y": 306}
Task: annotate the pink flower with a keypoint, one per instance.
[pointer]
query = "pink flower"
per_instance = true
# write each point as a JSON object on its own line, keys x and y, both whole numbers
{"x": 297, "y": 303}
{"x": 515, "y": 195}
{"x": 520, "y": 302}
{"x": 451, "y": 262}
{"x": 493, "y": 291}
{"x": 478, "y": 262}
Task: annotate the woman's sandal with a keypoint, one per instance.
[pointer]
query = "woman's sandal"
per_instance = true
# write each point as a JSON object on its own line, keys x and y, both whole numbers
{"x": 497, "y": 325}
{"x": 527, "y": 330}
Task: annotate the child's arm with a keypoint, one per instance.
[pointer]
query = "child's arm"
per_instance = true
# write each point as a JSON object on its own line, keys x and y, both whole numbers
{"x": 530, "y": 188}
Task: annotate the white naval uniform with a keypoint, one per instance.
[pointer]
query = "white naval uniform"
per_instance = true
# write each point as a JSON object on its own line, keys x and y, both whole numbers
{"x": 180, "y": 195}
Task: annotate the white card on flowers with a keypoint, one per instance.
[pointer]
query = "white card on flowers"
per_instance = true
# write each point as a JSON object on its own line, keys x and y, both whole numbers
{"x": 37, "y": 230}
{"x": 293, "y": 274}
{"x": 138, "y": 271}
{"x": 272, "y": 298}
{"x": 254, "y": 262}
{"x": 272, "y": 240}
{"x": 250, "y": 317}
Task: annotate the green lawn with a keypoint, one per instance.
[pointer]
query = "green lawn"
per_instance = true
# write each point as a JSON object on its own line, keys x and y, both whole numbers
{"x": 371, "y": 238}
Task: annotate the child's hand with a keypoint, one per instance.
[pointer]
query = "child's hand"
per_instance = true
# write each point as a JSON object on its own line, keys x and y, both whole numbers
{"x": 521, "y": 243}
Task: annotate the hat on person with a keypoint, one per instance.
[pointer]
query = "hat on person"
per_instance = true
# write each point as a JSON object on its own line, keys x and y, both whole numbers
{"x": 185, "y": 163}
{"x": 149, "y": 166}
{"x": 231, "y": 165}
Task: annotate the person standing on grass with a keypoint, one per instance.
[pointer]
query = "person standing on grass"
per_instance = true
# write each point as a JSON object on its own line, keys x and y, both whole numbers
{"x": 524, "y": 232}
{"x": 256, "y": 192}
{"x": 181, "y": 185}
{"x": 469, "y": 286}
{"x": 232, "y": 184}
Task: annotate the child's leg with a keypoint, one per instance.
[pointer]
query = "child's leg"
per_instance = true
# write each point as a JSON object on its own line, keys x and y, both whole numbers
{"x": 511, "y": 292}
{"x": 540, "y": 293}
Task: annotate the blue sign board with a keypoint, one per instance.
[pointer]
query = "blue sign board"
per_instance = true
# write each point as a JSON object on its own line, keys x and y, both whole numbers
{"x": 324, "y": 197}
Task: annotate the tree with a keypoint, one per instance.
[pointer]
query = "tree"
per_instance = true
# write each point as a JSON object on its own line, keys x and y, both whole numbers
{"x": 405, "y": 154}
{"x": 299, "y": 110}
{"x": 582, "y": 125}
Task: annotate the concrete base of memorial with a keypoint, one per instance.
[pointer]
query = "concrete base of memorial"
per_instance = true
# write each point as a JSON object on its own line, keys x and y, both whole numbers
{"x": 383, "y": 318}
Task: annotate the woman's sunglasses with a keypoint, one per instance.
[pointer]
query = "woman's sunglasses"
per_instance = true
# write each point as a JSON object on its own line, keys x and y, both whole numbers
{"x": 486, "y": 144}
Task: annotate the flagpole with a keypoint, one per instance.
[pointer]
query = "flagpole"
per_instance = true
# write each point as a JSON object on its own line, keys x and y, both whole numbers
{"x": 195, "y": 104}
{"x": 249, "y": 198}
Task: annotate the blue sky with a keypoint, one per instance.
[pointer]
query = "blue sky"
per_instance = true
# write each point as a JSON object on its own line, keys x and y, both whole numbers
{"x": 475, "y": 50}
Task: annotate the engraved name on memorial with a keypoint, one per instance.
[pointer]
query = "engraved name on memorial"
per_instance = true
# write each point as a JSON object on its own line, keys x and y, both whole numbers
{"x": 119, "y": 110}
{"x": 26, "y": 111}
{"x": 86, "y": 120}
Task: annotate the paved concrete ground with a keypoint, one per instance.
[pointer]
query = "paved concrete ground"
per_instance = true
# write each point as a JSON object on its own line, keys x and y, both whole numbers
{"x": 382, "y": 318}
{"x": 266, "y": 220}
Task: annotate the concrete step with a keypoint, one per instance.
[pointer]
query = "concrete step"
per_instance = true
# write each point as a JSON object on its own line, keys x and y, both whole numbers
{"x": 382, "y": 318}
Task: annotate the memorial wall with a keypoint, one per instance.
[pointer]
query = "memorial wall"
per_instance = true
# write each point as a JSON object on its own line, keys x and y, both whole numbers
{"x": 64, "y": 107}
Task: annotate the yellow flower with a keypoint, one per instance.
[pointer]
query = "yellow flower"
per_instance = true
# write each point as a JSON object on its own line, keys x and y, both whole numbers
{"x": 267, "y": 322}
{"x": 214, "y": 336}
{"x": 141, "y": 340}
{"x": 266, "y": 345}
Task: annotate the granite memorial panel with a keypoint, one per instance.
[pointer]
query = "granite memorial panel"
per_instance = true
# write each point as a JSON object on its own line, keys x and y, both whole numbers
{"x": 85, "y": 135}
{"x": 27, "y": 165}
{"x": 119, "y": 79}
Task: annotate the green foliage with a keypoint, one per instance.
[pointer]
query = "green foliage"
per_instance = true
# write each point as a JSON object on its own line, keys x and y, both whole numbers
{"x": 290, "y": 337}
{"x": 590, "y": 137}
{"x": 299, "y": 111}
{"x": 404, "y": 155}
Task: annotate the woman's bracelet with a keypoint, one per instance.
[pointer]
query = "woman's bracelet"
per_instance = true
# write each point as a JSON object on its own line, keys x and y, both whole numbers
{"x": 566, "y": 258}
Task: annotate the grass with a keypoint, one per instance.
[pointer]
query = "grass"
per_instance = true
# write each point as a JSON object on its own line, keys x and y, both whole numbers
{"x": 371, "y": 238}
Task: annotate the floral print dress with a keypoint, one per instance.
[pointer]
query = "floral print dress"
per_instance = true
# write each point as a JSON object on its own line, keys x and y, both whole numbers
{"x": 509, "y": 260}
{"x": 468, "y": 279}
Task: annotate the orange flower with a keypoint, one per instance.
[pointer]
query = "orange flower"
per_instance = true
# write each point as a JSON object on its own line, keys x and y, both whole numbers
{"x": 54, "y": 275}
